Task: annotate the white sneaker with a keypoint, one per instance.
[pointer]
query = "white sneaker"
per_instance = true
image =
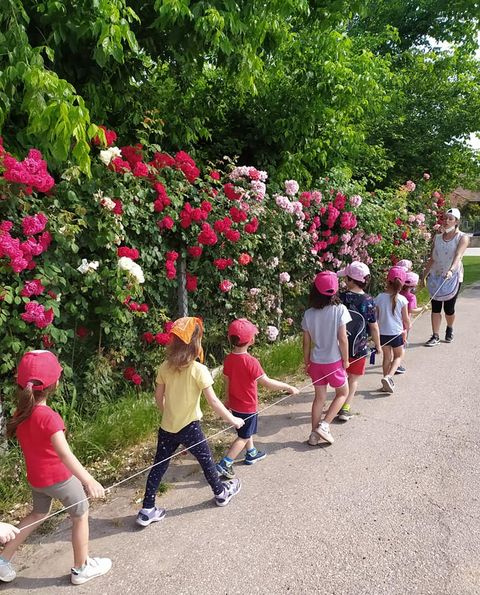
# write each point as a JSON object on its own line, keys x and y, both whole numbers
{"x": 7, "y": 574}
{"x": 313, "y": 439}
{"x": 387, "y": 384}
{"x": 150, "y": 515}
{"x": 93, "y": 568}
{"x": 323, "y": 431}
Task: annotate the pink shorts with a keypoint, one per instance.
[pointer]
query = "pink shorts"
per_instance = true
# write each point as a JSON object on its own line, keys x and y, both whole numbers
{"x": 333, "y": 374}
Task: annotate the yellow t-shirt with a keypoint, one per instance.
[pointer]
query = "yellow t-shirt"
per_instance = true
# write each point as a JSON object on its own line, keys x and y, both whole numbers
{"x": 183, "y": 389}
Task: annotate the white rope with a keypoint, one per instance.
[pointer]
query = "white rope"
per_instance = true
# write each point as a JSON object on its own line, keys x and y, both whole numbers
{"x": 207, "y": 438}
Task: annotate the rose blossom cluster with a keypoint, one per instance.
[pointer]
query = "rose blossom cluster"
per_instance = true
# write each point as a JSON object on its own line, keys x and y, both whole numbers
{"x": 255, "y": 180}
{"x": 132, "y": 376}
{"x": 31, "y": 172}
{"x": 135, "y": 306}
{"x": 132, "y": 268}
{"x": 20, "y": 253}
{"x": 36, "y": 314}
{"x": 162, "y": 338}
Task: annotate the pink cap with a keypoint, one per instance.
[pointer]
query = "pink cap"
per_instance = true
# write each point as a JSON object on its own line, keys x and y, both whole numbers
{"x": 243, "y": 329}
{"x": 406, "y": 264}
{"x": 42, "y": 368}
{"x": 397, "y": 272}
{"x": 326, "y": 283}
{"x": 355, "y": 270}
{"x": 411, "y": 279}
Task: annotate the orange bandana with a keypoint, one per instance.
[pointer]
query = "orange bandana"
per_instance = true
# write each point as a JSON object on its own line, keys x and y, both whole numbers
{"x": 184, "y": 328}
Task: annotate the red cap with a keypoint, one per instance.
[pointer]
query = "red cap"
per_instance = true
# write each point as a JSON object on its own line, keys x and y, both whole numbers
{"x": 326, "y": 283}
{"x": 243, "y": 329}
{"x": 397, "y": 273}
{"x": 42, "y": 368}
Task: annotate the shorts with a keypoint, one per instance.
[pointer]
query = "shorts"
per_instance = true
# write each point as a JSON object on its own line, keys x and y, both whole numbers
{"x": 391, "y": 340}
{"x": 323, "y": 374}
{"x": 250, "y": 426}
{"x": 69, "y": 492}
{"x": 357, "y": 367}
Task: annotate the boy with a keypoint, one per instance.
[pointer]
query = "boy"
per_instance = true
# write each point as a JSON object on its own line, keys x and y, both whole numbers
{"x": 241, "y": 373}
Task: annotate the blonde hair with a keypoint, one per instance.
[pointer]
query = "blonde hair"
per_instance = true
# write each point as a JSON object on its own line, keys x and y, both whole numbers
{"x": 394, "y": 288}
{"x": 181, "y": 354}
{"x": 27, "y": 398}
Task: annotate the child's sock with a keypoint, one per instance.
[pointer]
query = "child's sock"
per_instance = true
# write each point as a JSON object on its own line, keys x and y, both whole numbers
{"x": 346, "y": 407}
{"x": 251, "y": 451}
{"x": 228, "y": 461}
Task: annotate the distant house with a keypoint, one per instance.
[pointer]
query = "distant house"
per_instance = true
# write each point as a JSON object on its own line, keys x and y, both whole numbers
{"x": 460, "y": 197}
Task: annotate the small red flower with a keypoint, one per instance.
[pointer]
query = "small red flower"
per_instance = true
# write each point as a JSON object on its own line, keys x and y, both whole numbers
{"x": 162, "y": 338}
{"x": 244, "y": 259}
{"x": 129, "y": 373}
{"x": 136, "y": 379}
{"x": 148, "y": 338}
{"x": 215, "y": 175}
{"x": 82, "y": 332}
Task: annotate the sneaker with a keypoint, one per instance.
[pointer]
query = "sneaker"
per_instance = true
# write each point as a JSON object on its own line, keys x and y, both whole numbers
{"x": 387, "y": 384}
{"x": 323, "y": 431}
{"x": 401, "y": 370}
{"x": 449, "y": 334}
{"x": 225, "y": 470}
{"x": 344, "y": 414}
{"x": 313, "y": 439}
{"x": 7, "y": 574}
{"x": 230, "y": 489}
{"x": 251, "y": 459}
{"x": 150, "y": 515}
{"x": 94, "y": 567}
{"x": 434, "y": 340}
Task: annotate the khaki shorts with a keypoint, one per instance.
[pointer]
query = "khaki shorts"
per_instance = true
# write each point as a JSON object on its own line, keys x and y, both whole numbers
{"x": 70, "y": 493}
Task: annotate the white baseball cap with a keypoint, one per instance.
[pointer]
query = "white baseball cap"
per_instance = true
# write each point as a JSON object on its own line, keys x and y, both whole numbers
{"x": 454, "y": 212}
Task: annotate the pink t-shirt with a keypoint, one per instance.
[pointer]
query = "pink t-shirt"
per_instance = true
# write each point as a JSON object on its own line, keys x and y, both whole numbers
{"x": 243, "y": 370}
{"x": 44, "y": 467}
{"x": 411, "y": 299}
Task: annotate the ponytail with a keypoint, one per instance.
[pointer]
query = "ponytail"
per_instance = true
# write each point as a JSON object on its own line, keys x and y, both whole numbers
{"x": 27, "y": 398}
{"x": 394, "y": 288}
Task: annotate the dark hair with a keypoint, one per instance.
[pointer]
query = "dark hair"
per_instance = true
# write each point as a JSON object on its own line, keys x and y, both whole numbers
{"x": 27, "y": 398}
{"x": 235, "y": 341}
{"x": 318, "y": 301}
{"x": 394, "y": 287}
{"x": 361, "y": 284}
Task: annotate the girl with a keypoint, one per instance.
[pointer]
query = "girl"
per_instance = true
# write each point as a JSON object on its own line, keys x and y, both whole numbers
{"x": 179, "y": 385}
{"x": 53, "y": 471}
{"x": 325, "y": 351}
{"x": 394, "y": 323}
{"x": 411, "y": 282}
{"x": 364, "y": 323}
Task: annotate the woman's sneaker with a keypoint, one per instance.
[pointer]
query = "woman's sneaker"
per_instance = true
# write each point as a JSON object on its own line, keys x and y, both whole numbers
{"x": 449, "y": 334}
{"x": 387, "y": 384}
{"x": 252, "y": 458}
{"x": 7, "y": 573}
{"x": 149, "y": 515}
{"x": 225, "y": 470}
{"x": 230, "y": 489}
{"x": 323, "y": 431}
{"x": 93, "y": 568}
{"x": 434, "y": 340}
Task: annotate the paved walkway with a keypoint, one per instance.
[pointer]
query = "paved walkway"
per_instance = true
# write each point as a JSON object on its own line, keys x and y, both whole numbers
{"x": 391, "y": 508}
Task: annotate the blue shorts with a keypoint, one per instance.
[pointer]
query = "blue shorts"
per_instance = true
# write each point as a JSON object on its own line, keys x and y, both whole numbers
{"x": 250, "y": 427}
{"x": 391, "y": 340}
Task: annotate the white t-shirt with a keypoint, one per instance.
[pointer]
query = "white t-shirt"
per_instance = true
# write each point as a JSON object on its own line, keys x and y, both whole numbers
{"x": 390, "y": 323}
{"x": 322, "y": 326}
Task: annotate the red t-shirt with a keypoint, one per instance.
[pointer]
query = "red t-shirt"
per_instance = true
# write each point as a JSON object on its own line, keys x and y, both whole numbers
{"x": 243, "y": 371}
{"x": 44, "y": 467}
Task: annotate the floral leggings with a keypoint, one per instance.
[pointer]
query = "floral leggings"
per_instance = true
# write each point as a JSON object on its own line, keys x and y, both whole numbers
{"x": 167, "y": 444}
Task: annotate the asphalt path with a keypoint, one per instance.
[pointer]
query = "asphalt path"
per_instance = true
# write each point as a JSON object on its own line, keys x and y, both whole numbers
{"x": 392, "y": 507}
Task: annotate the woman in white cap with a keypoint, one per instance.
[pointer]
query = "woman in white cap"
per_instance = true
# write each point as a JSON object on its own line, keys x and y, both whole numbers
{"x": 444, "y": 274}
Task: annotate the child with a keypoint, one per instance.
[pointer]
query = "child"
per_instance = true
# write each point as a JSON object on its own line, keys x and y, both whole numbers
{"x": 411, "y": 281}
{"x": 179, "y": 385}
{"x": 325, "y": 351}
{"x": 53, "y": 471}
{"x": 364, "y": 323}
{"x": 7, "y": 532}
{"x": 242, "y": 372}
{"x": 394, "y": 323}
{"x": 406, "y": 264}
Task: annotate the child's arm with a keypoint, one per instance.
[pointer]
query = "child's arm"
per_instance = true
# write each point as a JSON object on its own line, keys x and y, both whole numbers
{"x": 220, "y": 408}
{"x": 418, "y": 310}
{"x": 61, "y": 447}
{"x": 405, "y": 318}
{"x": 375, "y": 334}
{"x": 343, "y": 344}
{"x": 307, "y": 347}
{"x": 226, "y": 386}
{"x": 160, "y": 396}
{"x": 273, "y": 384}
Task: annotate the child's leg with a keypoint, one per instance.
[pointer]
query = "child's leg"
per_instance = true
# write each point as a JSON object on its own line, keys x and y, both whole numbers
{"x": 335, "y": 406}
{"x": 80, "y": 536}
{"x": 12, "y": 546}
{"x": 397, "y": 353}
{"x": 318, "y": 403}
{"x": 167, "y": 444}
{"x": 387, "y": 359}
{"x": 237, "y": 447}
{"x": 192, "y": 436}
{"x": 352, "y": 388}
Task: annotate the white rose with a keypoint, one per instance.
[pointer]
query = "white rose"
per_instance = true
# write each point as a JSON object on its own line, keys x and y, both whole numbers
{"x": 125, "y": 263}
{"x": 107, "y": 155}
{"x": 83, "y": 268}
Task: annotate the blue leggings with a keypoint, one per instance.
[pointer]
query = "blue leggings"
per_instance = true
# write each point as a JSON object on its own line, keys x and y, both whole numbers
{"x": 167, "y": 444}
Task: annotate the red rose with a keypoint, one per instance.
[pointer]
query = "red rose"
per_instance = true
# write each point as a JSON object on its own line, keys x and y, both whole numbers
{"x": 171, "y": 255}
{"x": 132, "y": 253}
{"x": 140, "y": 170}
{"x": 252, "y": 226}
{"x": 162, "y": 338}
{"x": 137, "y": 379}
{"x": 215, "y": 175}
{"x": 195, "y": 251}
{"x": 225, "y": 286}
{"x": 166, "y": 223}
{"x": 129, "y": 373}
{"x": 167, "y": 326}
{"x": 233, "y": 235}
{"x": 118, "y": 209}
{"x": 82, "y": 332}
{"x": 244, "y": 259}
{"x": 148, "y": 338}
{"x": 143, "y": 308}
{"x": 191, "y": 282}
